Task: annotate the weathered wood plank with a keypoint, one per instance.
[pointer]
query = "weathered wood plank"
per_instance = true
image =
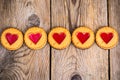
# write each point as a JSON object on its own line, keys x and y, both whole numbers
{"x": 114, "y": 21}
{"x": 24, "y": 64}
{"x": 73, "y": 63}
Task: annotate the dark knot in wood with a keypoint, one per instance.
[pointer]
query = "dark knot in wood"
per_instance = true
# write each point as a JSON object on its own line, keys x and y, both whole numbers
{"x": 76, "y": 77}
{"x": 33, "y": 20}
{"x": 74, "y": 2}
{"x": 28, "y": 3}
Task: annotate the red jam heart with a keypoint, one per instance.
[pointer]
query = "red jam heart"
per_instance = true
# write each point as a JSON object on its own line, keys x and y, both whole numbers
{"x": 35, "y": 37}
{"x": 106, "y": 37}
{"x": 59, "y": 37}
{"x": 83, "y": 37}
{"x": 11, "y": 38}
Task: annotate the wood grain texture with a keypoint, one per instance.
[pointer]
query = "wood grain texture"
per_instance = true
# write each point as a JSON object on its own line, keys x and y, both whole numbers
{"x": 24, "y": 64}
{"x": 73, "y": 63}
{"x": 114, "y": 21}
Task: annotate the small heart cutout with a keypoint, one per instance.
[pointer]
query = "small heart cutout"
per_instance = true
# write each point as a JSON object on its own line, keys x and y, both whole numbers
{"x": 59, "y": 37}
{"x": 11, "y": 38}
{"x": 83, "y": 37}
{"x": 106, "y": 37}
{"x": 35, "y": 37}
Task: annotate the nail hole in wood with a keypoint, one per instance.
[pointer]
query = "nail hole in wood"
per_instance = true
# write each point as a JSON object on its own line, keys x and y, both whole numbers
{"x": 76, "y": 77}
{"x": 74, "y": 2}
{"x": 33, "y": 20}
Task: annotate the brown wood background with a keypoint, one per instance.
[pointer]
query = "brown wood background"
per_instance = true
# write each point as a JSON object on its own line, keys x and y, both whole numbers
{"x": 68, "y": 64}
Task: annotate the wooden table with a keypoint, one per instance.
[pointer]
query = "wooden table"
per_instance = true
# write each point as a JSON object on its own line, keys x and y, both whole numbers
{"x": 68, "y": 64}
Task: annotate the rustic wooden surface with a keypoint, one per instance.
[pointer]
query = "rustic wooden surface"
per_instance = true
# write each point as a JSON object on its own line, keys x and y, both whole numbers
{"x": 73, "y": 63}
{"x": 51, "y": 64}
{"x": 114, "y": 20}
{"x": 24, "y": 64}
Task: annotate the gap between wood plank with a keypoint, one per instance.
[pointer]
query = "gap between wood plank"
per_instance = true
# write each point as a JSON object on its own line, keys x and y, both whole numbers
{"x": 109, "y": 72}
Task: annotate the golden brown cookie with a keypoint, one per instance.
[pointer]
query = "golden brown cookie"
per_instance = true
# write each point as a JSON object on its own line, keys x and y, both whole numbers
{"x": 59, "y": 38}
{"x": 107, "y": 37}
{"x": 35, "y": 38}
{"x": 12, "y": 39}
{"x": 83, "y": 37}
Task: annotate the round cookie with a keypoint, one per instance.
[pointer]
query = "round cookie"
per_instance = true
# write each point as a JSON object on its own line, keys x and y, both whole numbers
{"x": 59, "y": 38}
{"x": 12, "y": 39}
{"x": 107, "y": 37}
{"x": 83, "y": 37}
{"x": 35, "y": 38}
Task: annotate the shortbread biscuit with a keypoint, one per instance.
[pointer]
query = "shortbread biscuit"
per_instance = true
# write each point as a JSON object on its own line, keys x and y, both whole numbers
{"x": 107, "y": 37}
{"x": 35, "y": 38}
{"x": 83, "y": 37}
{"x": 59, "y": 38}
{"x": 12, "y": 39}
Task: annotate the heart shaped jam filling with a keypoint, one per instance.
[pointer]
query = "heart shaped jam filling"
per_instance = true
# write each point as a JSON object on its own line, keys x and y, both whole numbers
{"x": 59, "y": 37}
{"x": 11, "y": 38}
{"x": 35, "y": 37}
{"x": 83, "y": 37}
{"x": 106, "y": 37}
